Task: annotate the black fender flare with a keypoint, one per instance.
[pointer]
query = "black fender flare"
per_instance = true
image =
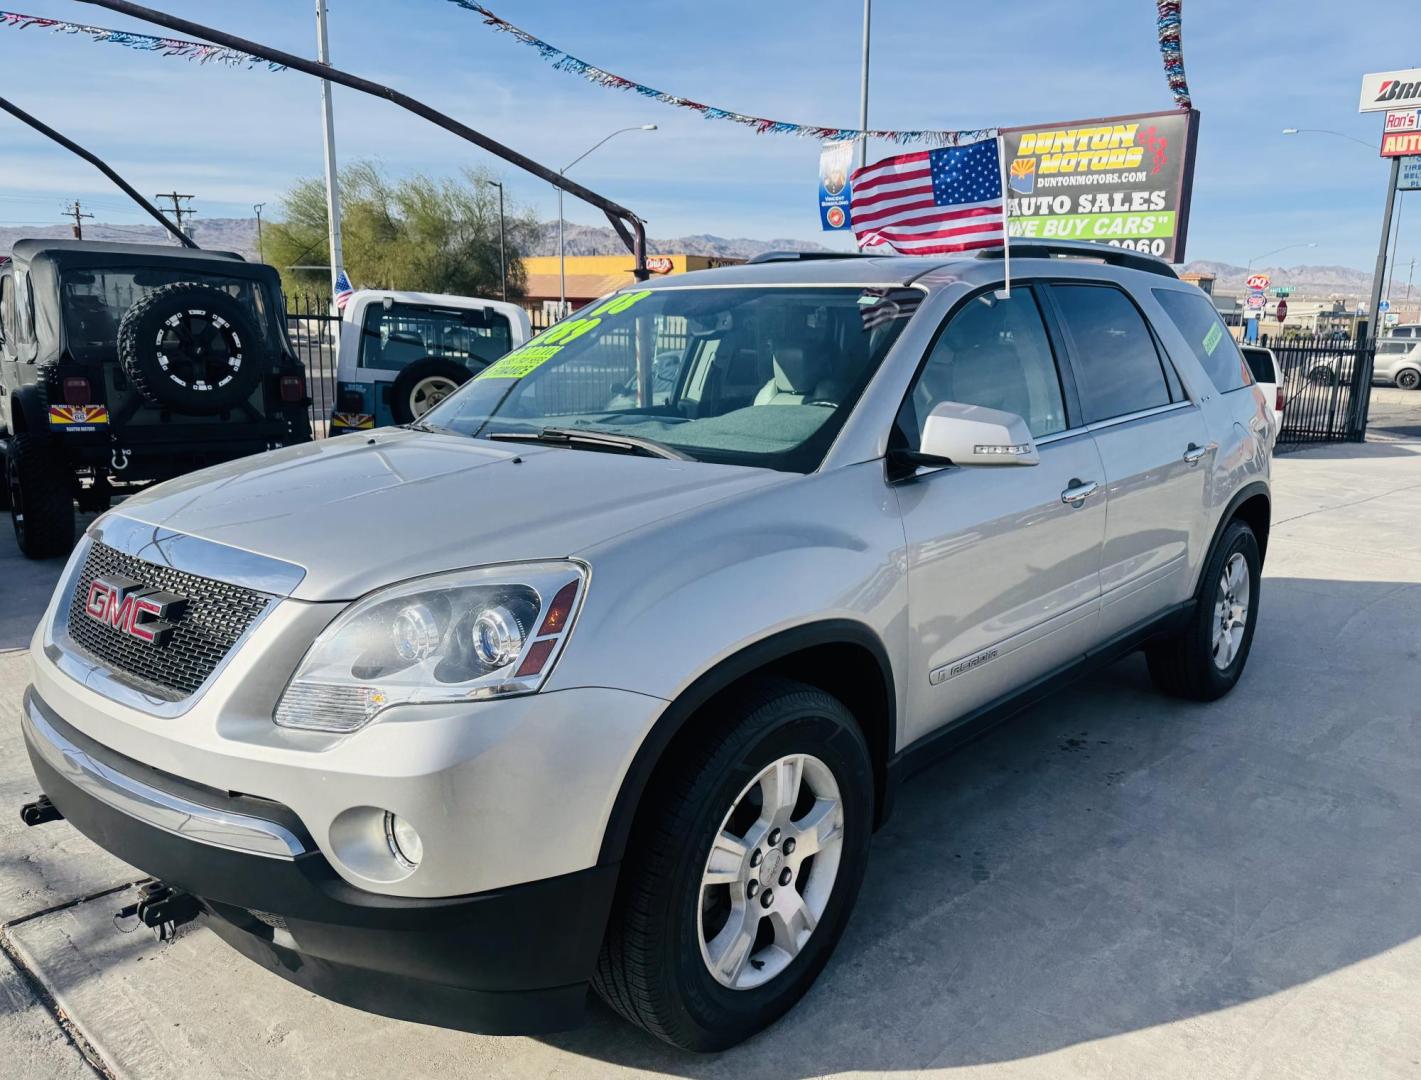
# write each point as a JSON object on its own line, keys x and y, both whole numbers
{"x": 1241, "y": 496}
{"x": 732, "y": 669}
{"x": 29, "y": 410}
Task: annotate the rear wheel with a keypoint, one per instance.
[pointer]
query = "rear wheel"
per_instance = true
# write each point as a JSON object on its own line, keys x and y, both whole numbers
{"x": 743, "y": 870}
{"x": 1204, "y": 659}
{"x": 41, "y": 494}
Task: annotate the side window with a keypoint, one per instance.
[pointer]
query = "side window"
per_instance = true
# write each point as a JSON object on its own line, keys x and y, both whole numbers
{"x": 1118, "y": 369}
{"x": 993, "y": 353}
{"x": 1213, "y": 346}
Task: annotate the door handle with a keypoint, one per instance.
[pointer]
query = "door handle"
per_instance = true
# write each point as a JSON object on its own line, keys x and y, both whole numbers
{"x": 1195, "y": 452}
{"x": 1078, "y": 491}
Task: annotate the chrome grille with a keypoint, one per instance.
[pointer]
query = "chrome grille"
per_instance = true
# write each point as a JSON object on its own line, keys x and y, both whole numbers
{"x": 216, "y": 616}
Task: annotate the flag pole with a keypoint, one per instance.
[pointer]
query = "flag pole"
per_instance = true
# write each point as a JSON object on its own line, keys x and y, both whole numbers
{"x": 1006, "y": 212}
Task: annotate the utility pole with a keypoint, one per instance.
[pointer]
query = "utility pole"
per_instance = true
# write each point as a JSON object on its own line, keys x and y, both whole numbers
{"x": 323, "y": 54}
{"x": 78, "y": 215}
{"x": 261, "y": 254}
{"x": 502, "y": 247}
{"x": 863, "y": 86}
{"x": 179, "y": 211}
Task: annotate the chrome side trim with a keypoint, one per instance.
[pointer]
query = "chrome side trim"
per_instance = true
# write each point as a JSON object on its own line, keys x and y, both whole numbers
{"x": 194, "y": 555}
{"x": 88, "y": 671}
{"x": 178, "y": 816}
{"x": 1114, "y": 421}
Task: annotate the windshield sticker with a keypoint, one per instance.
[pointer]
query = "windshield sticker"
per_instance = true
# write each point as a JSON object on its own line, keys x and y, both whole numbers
{"x": 518, "y": 364}
{"x": 1212, "y": 339}
{"x": 619, "y": 303}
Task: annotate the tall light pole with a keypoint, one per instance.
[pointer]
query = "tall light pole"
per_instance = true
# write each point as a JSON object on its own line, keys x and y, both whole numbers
{"x": 1285, "y": 247}
{"x": 1327, "y": 131}
{"x": 261, "y": 254}
{"x": 863, "y": 84}
{"x": 323, "y": 54}
{"x": 562, "y": 253}
{"x": 502, "y": 248}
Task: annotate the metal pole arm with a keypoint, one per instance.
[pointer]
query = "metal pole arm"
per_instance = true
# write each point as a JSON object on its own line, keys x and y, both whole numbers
{"x": 98, "y": 163}
{"x": 404, "y": 101}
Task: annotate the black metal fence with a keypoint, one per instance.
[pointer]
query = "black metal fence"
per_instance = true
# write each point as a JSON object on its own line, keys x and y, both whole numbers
{"x": 315, "y": 335}
{"x": 1325, "y": 381}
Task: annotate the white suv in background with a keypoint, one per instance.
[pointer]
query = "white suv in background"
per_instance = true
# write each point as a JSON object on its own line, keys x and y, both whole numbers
{"x": 603, "y": 674}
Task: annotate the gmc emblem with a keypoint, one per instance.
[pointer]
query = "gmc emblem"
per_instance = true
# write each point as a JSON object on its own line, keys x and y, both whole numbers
{"x": 130, "y": 608}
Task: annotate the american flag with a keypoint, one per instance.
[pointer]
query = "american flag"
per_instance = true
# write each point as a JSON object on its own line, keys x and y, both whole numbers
{"x": 344, "y": 289}
{"x": 931, "y": 202}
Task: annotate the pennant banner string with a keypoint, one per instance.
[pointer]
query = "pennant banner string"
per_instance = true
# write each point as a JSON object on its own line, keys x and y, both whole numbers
{"x": 190, "y": 50}
{"x": 1168, "y": 26}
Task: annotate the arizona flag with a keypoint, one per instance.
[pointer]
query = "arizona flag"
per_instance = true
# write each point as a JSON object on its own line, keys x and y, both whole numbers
{"x": 344, "y": 289}
{"x": 932, "y": 202}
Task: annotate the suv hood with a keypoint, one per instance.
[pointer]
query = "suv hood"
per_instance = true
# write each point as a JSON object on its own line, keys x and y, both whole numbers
{"x": 359, "y": 512}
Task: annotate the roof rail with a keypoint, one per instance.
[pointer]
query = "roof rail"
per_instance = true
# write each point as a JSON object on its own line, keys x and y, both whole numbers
{"x": 1084, "y": 249}
{"x": 805, "y": 256}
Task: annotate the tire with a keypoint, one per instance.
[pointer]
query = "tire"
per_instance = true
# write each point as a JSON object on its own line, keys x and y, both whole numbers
{"x": 422, "y": 385}
{"x": 41, "y": 494}
{"x": 1322, "y": 375}
{"x": 1196, "y": 662}
{"x": 192, "y": 348}
{"x": 655, "y": 965}
{"x": 1408, "y": 379}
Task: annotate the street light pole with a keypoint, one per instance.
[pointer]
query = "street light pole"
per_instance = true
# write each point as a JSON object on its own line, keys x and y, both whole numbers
{"x": 863, "y": 84}
{"x": 502, "y": 248}
{"x": 562, "y": 251}
{"x": 328, "y": 123}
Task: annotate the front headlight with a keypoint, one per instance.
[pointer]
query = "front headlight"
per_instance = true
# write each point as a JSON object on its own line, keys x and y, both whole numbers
{"x": 462, "y": 636}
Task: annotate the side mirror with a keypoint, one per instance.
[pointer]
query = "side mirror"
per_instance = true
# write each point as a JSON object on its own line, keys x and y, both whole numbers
{"x": 976, "y": 435}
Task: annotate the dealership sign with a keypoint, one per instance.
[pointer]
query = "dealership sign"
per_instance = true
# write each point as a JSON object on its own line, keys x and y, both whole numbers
{"x": 1410, "y": 176}
{"x": 1401, "y": 143}
{"x": 1388, "y": 90}
{"x": 1120, "y": 180}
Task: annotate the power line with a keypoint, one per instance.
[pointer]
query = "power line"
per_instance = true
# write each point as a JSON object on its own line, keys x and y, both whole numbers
{"x": 75, "y": 211}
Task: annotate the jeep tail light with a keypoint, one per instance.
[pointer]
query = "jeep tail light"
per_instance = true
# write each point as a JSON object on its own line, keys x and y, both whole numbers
{"x": 293, "y": 388}
{"x": 1279, "y": 401}
{"x": 350, "y": 401}
{"x": 77, "y": 391}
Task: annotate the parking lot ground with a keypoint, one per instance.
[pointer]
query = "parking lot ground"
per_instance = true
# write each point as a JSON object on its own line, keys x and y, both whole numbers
{"x": 1111, "y": 884}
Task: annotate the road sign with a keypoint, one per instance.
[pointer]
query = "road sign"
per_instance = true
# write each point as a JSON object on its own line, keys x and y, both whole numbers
{"x": 1384, "y": 305}
{"x": 1282, "y": 311}
{"x": 1388, "y": 90}
{"x": 1281, "y": 291}
{"x": 1258, "y": 281}
{"x": 1256, "y": 301}
{"x": 1410, "y": 177}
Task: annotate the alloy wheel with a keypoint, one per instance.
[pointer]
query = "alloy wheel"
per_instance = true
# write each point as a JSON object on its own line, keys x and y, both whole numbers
{"x": 770, "y": 872}
{"x": 1231, "y": 610}
{"x": 428, "y": 393}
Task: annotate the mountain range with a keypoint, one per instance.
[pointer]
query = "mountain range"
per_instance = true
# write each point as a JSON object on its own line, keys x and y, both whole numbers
{"x": 240, "y": 234}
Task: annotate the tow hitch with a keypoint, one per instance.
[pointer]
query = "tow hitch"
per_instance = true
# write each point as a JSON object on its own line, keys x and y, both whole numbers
{"x": 40, "y": 811}
{"x": 162, "y": 908}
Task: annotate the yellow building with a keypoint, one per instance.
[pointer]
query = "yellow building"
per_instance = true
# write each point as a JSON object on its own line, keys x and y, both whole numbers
{"x": 591, "y": 276}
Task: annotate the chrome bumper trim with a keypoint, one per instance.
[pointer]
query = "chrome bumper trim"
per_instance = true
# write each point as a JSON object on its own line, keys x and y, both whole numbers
{"x": 172, "y": 814}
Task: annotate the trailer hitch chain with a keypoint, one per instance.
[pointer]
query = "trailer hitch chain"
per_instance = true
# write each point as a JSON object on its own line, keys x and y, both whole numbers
{"x": 40, "y": 811}
{"x": 161, "y": 908}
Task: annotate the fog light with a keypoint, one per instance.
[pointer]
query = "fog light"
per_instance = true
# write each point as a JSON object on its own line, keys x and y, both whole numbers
{"x": 405, "y": 844}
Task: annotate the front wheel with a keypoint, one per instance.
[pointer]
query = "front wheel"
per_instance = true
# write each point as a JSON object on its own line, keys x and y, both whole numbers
{"x": 742, "y": 872}
{"x": 1203, "y": 660}
{"x": 1408, "y": 379}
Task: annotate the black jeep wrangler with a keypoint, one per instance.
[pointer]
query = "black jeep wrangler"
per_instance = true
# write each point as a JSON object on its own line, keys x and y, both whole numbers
{"x": 125, "y": 364}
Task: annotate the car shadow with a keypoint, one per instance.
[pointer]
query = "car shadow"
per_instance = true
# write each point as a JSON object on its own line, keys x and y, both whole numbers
{"x": 1112, "y": 859}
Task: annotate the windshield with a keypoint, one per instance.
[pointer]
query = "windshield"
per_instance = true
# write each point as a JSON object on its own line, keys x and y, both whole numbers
{"x": 95, "y": 302}
{"x": 396, "y": 336}
{"x": 749, "y": 376}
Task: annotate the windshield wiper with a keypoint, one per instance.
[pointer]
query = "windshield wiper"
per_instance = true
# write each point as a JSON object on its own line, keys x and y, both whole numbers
{"x": 593, "y": 440}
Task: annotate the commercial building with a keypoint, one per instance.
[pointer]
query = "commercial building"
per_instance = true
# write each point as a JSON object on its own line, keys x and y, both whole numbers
{"x": 591, "y": 276}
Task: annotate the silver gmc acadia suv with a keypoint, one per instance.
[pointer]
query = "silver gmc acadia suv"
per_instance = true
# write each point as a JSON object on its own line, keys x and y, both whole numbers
{"x": 603, "y": 673}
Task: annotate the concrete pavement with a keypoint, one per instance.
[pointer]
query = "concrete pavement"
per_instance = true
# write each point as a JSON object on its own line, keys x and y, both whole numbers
{"x": 1112, "y": 884}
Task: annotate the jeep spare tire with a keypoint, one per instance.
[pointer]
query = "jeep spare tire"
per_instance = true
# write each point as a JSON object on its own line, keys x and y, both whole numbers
{"x": 423, "y": 385}
{"x": 192, "y": 348}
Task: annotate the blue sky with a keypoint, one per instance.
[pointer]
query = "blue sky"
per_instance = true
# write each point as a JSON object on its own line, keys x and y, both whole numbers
{"x": 236, "y": 137}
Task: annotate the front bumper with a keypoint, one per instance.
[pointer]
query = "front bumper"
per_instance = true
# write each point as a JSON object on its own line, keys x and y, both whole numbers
{"x": 512, "y": 960}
